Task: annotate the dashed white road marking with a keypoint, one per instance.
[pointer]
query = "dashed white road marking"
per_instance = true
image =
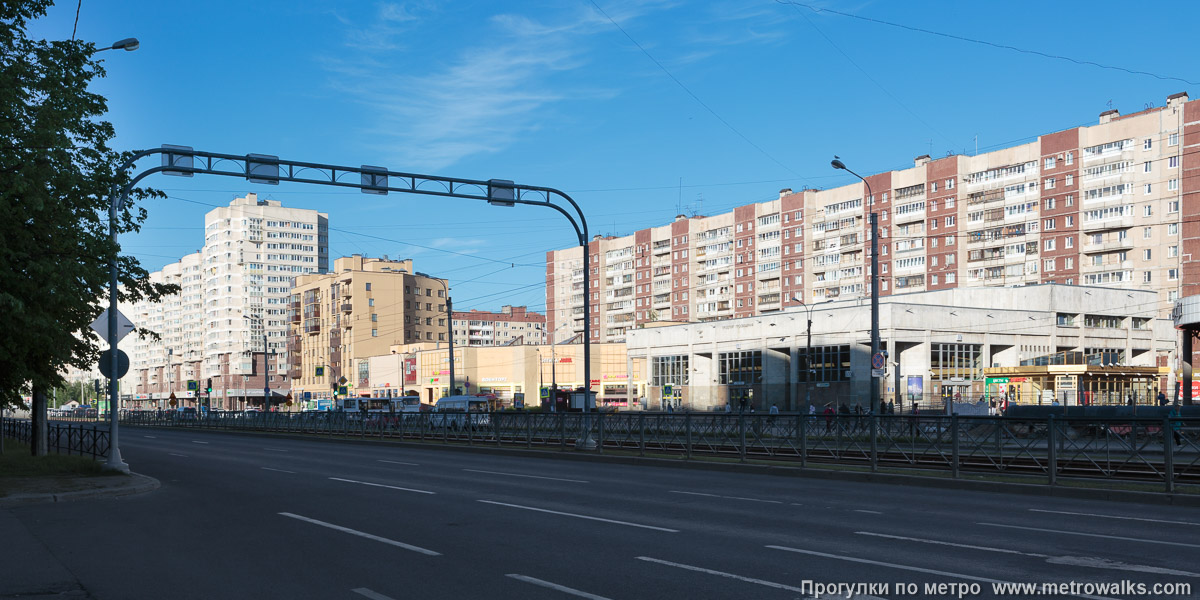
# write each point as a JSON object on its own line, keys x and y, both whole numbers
{"x": 278, "y": 450}
{"x": 866, "y": 561}
{"x": 183, "y": 455}
{"x": 390, "y": 487}
{"x": 1063, "y": 512}
{"x": 198, "y": 442}
{"x": 956, "y": 545}
{"x": 396, "y": 462}
{"x": 277, "y": 470}
{"x": 555, "y": 586}
{"x": 151, "y": 437}
{"x": 722, "y": 574}
{"x": 370, "y": 594}
{"x": 727, "y": 497}
{"x": 870, "y": 512}
{"x": 1095, "y": 535}
{"x": 578, "y": 516}
{"x": 526, "y": 476}
{"x": 362, "y": 534}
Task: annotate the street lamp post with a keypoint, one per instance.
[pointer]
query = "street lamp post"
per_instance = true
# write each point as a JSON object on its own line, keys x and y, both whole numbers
{"x": 449, "y": 331}
{"x": 874, "y": 386}
{"x": 808, "y": 350}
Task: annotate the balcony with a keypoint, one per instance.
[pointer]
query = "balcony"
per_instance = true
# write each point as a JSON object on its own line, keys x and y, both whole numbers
{"x": 347, "y": 307}
{"x": 1121, "y": 222}
{"x": 1109, "y": 246}
{"x": 293, "y": 373}
{"x": 312, "y": 329}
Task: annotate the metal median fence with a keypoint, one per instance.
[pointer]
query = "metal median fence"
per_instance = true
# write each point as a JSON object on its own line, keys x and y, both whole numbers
{"x": 64, "y": 438}
{"x": 1164, "y": 452}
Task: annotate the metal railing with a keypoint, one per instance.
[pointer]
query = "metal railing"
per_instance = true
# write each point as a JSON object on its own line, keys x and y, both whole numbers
{"x": 64, "y": 438}
{"x": 1161, "y": 451}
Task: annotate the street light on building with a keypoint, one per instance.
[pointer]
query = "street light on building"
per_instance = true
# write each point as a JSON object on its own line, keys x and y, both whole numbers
{"x": 874, "y": 385}
{"x": 127, "y": 44}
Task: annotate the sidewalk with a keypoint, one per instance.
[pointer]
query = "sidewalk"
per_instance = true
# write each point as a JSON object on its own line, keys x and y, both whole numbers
{"x": 37, "y": 490}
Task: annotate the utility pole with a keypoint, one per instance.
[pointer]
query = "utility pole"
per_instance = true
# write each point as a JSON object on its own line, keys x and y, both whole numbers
{"x": 874, "y": 304}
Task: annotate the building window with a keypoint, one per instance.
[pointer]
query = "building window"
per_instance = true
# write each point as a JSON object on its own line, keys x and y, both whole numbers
{"x": 829, "y": 363}
{"x": 1147, "y": 144}
{"x": 954, "y": 361}
{"x": 1172, "y": 185}
{"x": 1173, "y": 139}
{"x": 1172, "y": 162}
{"x": 1070, "y": 158}
{"x": 1146, "y": 167}
{"x": 374, "y": 333}
{"x": 368, "y": 286}
{"x": 669, "y": 370}
{"x": 1172, "y": 274}
{"x": 1070, "y": 181}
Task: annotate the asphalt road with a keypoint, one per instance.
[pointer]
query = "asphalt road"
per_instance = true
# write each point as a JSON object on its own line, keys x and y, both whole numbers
{"x": 242, "y": 516}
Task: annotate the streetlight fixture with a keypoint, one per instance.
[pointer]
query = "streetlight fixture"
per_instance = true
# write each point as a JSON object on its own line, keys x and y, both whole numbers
{"x": 808, "y": 351}
{"x": 874, "y": 217}
{"x": 127, "y": 44}
{"x": 266, "y": 365}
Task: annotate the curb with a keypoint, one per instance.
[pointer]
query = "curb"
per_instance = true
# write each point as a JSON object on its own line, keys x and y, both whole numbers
{"x": 1027, "y": 489}
{"x": 138, "y": 484}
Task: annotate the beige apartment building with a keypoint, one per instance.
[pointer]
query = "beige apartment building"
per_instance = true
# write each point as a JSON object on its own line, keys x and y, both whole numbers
{"x": 1112, "y": 204}
{"x": 361, "y": 308}
{"x": 512, "y": 325}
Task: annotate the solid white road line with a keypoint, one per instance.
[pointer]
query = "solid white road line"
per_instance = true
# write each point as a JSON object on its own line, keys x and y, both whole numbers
{"x": 1095, "y": 535}
{"x": 722, "y": 574}
{"x": 527, "y": 476}
{"x": 941, "y": 543}
{"x": 1063, "y": 512}
{"x": 183, "y": 455}
{"x": 870, "y": 512}
{"x": 567, "y": 514}
{"x": 911, "y": 568}
{"x": 555, "y": 586}
{"x": 1075, "y": 561}
{"x": 396, "y": 462}
{"x": 277, "y": 470}
{"x": 370, "y": 594}
{"x": 726, "y": 497}
{"x": 198, "y": 442}
{"x": 362, "y": 534}
{"x": 390, "y": 487}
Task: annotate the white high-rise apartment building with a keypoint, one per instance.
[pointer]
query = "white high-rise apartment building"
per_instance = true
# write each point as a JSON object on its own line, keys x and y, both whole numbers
{"x": 253, "y": 251}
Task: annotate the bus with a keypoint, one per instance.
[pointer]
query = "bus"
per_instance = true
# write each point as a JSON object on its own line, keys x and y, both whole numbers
{"x": 455, "y": 412}
{"x": 399, "y": 404}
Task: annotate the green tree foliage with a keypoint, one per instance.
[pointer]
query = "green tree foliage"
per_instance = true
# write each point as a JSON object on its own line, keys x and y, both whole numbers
{"x": 57, "y": 173}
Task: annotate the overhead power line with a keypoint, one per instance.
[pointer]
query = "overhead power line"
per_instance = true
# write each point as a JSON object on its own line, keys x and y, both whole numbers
{"x": 960, "y": 38}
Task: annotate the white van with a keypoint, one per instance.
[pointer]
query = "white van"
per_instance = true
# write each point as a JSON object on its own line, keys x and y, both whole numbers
{"x": 455, "y": 412}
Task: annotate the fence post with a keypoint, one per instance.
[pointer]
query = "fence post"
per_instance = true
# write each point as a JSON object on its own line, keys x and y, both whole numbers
{"x": 874, "y": 443}
{"x": 496, "y": 426}
{"x": 1051, "y": 450}
{"x": 600, "y": 431}
{"x": 562, "y": 430}
{"x": 528, "y": 429}
{"x": 1168, "y": 455}
{"x": 687, "y": 427}
{"x": 802, "y": 425}
{"x": 642, "y": 433}
{"x": 742, "y": 437}
{"x": 954, "y": 445}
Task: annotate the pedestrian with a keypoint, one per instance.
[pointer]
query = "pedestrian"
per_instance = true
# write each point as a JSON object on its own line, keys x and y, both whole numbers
{"x": 1162, "y": 399}
{"x": 891, "y": 407}
{"x": 1175, "y": 424}
{"x": 669, "y": 409}
{"x": 728, "y": 409}
{"x": 828, "y": 417}
{"x": 812, "y": 409}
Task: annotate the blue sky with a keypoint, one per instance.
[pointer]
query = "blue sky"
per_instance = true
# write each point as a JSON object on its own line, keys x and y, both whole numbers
{"x": 636, "y": 109}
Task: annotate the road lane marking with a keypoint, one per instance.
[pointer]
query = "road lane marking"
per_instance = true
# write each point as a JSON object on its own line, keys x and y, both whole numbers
{"x": 870, "y": 512}
{"x": 183, "y": 455}
{"x": 912, "y": 568}
{"x": 1075, "y": 561}
{"x": 150, "y": 436}
{"x": 362, "y": 534}
{"x": 1096, "y": 535}
{"x": 396, "y": 462}
{"x": 1063, "y": 512}
{"x": 278, "y": 450}
{"x": 555, "y": 586}
{"x": 941, "y": 543}
{"x": 722, "y": 574}
{"x": 567, "y": 514}
{"x": 390, "y": 487}
{"x": 726, "y": 497}
{"x": 528, "y": 476}
{"x": 198, "y": 442}
{"x": 277, "y": 470}
{"x": 370, "y": 594}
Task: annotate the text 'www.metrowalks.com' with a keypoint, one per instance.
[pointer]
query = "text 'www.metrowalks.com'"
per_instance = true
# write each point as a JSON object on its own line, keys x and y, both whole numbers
{"x": 817, "y": 589}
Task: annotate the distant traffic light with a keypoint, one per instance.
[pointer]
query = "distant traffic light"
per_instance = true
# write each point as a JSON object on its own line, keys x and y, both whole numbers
{"x": 96, "y": 385}
{"x": 210, "y": 386}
